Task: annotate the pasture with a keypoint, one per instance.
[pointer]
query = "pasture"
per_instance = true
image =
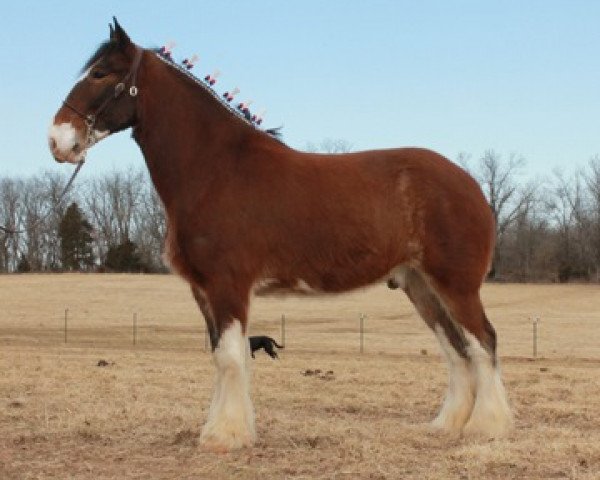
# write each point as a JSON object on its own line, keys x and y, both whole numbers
{"x": 362, "y": 416}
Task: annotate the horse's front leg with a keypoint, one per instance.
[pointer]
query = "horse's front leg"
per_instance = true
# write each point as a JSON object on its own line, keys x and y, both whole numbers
{"x": 230, "y": 422}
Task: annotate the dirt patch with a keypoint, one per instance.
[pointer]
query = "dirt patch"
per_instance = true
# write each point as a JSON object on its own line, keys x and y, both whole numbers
{"x": 186, "y": 437}
{"x": 104, "y": 363}
{"x": 317, "y": 373}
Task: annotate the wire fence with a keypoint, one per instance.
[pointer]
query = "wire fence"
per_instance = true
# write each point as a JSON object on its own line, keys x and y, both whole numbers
{"x": 532, "y": 337}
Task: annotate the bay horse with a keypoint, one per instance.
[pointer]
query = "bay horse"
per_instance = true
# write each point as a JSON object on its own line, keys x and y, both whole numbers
{"x": 245, "y": 212}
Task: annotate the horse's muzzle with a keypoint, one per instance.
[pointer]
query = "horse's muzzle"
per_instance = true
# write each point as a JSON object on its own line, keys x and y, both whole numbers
{"x": 65, "y": 144}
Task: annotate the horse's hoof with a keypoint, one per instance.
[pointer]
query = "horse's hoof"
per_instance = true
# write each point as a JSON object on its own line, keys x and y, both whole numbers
{"x": 225, "y": 442}
{"x": 214, "y": 447}
{"x": 439, "y": 428}
{"x": 494, "y": 427}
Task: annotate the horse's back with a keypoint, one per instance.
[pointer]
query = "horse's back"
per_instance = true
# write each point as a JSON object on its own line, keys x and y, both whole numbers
{"x": 416, "y": 183}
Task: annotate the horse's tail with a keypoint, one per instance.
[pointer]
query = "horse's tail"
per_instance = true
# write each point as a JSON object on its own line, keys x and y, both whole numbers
{"x": 275, "y": 343}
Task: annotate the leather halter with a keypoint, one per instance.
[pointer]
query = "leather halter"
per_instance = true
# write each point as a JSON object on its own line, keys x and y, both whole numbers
{"x": 91, "y": 118}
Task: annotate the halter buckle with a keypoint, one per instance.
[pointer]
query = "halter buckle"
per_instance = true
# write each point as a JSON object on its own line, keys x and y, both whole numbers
{"x": 90, "y": 120}
{"x": 133, "y": 91}
{"x": 119, "y": 87}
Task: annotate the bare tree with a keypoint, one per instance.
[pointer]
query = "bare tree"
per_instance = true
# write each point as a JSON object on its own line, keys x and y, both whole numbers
{"x": 58, "y": 201}
{"x": 506, "y": 196}
{"x": 34, "y": 223}
{"x": 591, "y": 177}
{"x": 567, "y": 207}
{"x": 526, "y": 253}
{"x": 11, "y": 217}
{"x": 151, "y": 228}
{"x": 112, "y": 202}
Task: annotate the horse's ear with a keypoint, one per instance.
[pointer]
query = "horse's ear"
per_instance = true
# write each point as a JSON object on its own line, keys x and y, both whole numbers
{"x": 112, "y": 31}
{"x": 118, "y": 35}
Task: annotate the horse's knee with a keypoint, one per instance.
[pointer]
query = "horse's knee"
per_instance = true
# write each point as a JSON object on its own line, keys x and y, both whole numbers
{"x": 231, "y": 350}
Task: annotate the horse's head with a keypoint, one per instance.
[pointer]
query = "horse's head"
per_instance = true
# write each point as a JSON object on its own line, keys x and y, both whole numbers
{"x": 101, "y": 102}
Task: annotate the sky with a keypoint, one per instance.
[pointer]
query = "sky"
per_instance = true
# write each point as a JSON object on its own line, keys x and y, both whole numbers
{"x": 518, "y": 77}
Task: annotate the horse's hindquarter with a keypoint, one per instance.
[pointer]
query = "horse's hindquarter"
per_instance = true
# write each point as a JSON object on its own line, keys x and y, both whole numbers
{"x": 457, "y": 231}
{"x": 454, "y": 227}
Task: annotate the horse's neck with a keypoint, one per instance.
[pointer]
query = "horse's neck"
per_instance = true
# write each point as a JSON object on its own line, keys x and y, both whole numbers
{"x": 182, "y": 130}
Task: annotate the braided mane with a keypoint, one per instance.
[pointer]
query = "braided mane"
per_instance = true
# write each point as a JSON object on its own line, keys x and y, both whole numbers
{"x": 274, "y": 132}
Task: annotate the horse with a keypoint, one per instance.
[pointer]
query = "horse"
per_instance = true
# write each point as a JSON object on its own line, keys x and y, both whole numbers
{"x": 245, "y": 211}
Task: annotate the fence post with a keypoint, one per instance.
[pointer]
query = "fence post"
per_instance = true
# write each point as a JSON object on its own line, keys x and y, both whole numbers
{"x": 535, "y": 335}
{"x": 283, "y": 330}
{"x": 134, "y": 328}
{"x": 362, "y": 332}
{"x": 66, "y": 315}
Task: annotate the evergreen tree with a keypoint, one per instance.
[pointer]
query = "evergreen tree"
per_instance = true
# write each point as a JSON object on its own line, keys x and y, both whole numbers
{"x": 24, "y": 265}
{"x": 75, "y": 234}
{"x": 124, "y": 258}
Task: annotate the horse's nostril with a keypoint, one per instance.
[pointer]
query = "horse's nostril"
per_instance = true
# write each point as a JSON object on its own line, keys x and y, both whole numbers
{"x": 76, "y": 148}
{"x": 52, "y": 144}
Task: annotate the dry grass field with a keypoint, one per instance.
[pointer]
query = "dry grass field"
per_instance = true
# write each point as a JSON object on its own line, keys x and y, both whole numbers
{"x": 62, "y": 416}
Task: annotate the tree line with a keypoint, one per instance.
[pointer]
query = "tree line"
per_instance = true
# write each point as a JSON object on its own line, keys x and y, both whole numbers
{"x": 112, "y": 222}
{"x": 547, "y": 229}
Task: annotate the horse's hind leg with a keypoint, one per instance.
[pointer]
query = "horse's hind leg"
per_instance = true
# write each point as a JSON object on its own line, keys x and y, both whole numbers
{"x": 460, "y": 395}
{"x": 491, "y": 413}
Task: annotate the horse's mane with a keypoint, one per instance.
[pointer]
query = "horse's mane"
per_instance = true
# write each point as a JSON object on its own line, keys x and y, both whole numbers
{"x": 108, "y": 47}
{"x": 273, "y": 132}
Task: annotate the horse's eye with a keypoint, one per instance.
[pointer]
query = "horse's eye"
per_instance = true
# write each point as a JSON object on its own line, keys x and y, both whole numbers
{"x": 98, "y": 74}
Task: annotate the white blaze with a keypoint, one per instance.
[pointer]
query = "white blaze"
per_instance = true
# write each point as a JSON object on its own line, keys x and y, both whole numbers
{"x": 84, "y": 74}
